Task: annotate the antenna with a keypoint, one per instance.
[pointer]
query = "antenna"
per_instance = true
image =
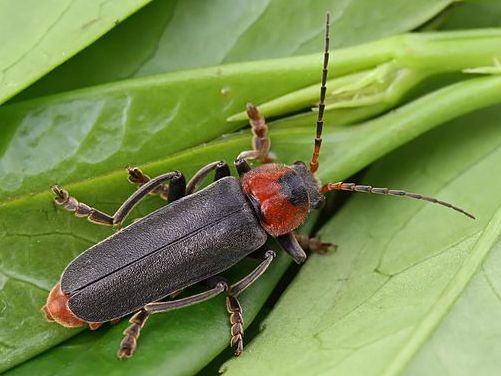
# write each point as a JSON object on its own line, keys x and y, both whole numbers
{"x": 390, "y": 192}
{"x": 321, "y": 105}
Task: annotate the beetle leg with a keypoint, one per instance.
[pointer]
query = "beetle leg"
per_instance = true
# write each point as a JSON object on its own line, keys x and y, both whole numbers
{"x": 242, "y": 167}
{"x": 169, "y": 192}
{"x": 250, "y": 278}
{"x": 136, "y": 176}
{"x": 290, "y": 244}
{"x": 233, "y": 305}
{"x": 82, "y": 210}
{"x": 177, "y": 188}
{"x": 314, "y": 244}
{"x": 236, "y": 316}
{"x": 221, "y": 170}
{"x": 157, "y": 307}
{"x": 131, "y": 334}
{"x": 237, "y": 324}
{"x": 174, "y": 294}
{"x": 295, "y": 244}
{"x": 260, "y": 140}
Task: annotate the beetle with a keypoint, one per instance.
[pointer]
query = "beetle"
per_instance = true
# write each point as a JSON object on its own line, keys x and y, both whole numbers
{"x": 198, "y": 235}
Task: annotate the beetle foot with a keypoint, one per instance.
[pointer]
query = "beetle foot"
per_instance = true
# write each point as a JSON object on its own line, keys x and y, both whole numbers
{"x": 131, "y": 334}
{"x": 315, "y": 244}
{"x": 125, "y": 352}
{"x": 260, "y": 141}
{"x": 136, "y": 176}
{"x": 237, "y": 344}
{"x": 127, "y": 346}
{"x": 62, "y": 195}
{"x": 237, "y": 324}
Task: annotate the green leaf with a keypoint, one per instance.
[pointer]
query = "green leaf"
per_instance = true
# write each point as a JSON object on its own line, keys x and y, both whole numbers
{"x": 74, "y": 136}
{"x": 111, "y": 126}
{"x": 38, "y": 36}
{"x": 465, "y": 341}
{"x": 33, "y": 257}
{"x": 373, "y": 306}
{"x": 469, "y": 14}
{"x": 167, "y": 36}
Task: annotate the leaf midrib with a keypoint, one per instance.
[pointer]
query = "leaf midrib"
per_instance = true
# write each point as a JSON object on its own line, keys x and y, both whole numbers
{"x": 115, "y": 172}
{"x": 234, "y": 138}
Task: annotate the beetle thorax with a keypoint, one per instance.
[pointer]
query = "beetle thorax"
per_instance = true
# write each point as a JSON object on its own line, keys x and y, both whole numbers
{"x": 280, "y": 196}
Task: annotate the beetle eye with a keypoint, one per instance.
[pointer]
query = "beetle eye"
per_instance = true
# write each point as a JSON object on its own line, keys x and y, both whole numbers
{"x": 319, "y": 204}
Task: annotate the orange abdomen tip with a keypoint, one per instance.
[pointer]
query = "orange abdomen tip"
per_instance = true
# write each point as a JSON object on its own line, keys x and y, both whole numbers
{"x": 56, "y": 309}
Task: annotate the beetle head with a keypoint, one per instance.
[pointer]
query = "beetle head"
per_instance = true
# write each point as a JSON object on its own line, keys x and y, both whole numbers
{"x": 311, "y": 183}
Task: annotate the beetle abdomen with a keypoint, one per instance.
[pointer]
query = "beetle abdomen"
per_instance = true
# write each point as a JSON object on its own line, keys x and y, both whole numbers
{"x": 176, "y": 246}
{"x": 56, "y": 309}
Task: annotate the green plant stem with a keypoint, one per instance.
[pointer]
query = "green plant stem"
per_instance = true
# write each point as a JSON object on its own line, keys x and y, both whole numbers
{"x": 397, "y": 64}
{"x": 383, "y": 134}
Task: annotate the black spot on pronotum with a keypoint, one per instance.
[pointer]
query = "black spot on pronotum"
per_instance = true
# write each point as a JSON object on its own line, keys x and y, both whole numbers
{"x": 292, "y": 187}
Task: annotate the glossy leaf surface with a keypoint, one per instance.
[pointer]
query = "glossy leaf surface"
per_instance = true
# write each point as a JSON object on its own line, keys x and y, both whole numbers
{"x": 74, "y": 136}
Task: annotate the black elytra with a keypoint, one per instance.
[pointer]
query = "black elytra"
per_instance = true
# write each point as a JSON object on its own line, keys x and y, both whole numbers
{"x": 180, "y": 244}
